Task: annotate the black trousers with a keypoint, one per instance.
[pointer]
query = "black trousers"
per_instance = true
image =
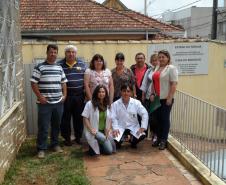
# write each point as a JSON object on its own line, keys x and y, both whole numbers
{"x": 163, "y": 117}
{"x": 133, "y": 141}
{"x": 73, "y": 107}
{"x": 152, "y": 121}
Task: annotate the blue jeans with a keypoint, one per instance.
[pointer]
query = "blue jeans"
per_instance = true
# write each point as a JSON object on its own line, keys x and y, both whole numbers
{"x": 107, "y": 146}
{"x": 49, "y": 114}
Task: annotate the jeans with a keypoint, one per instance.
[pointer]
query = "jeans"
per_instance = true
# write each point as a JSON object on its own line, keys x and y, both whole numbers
{"x": 107, "y": 146}
{"x": 163, "y": 118}
{"x": 73, "y": 107}
{"x": 48, "y": 114}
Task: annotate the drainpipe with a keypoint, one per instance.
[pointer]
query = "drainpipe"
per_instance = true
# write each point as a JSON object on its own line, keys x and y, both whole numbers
{"x": 145, "y": 7}
{"x": 214, "y": 20}
{"x": 146, "y": 35}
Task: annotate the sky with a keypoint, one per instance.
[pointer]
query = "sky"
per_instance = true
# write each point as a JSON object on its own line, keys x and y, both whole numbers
{"x": 157, "y": 7}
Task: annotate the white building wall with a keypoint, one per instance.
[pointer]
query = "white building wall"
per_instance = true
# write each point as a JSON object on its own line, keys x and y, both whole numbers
{"x": 175, "y": 16}
{"x": 195, "y": 20}
{"x": 201, "y": 21}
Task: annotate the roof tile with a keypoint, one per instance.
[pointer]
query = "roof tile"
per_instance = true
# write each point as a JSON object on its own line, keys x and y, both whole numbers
{"x": 83, "y": 15}
{"x": 73, "y": 14}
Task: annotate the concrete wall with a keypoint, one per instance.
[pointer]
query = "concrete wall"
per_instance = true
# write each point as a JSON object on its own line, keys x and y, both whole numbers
{"x": 12, "y": 109}
{"x": 195, "y": 20}
{"x": 201, "y": 21}
{"x": 86, "y": 50}
{"x": 211, "y": 87}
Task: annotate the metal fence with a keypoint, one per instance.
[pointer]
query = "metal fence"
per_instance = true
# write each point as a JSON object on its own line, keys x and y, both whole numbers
{"x": 201, "y": 128}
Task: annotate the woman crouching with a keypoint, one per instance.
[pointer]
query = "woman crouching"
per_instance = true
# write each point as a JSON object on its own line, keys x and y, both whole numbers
{"x": 97, "y": 122}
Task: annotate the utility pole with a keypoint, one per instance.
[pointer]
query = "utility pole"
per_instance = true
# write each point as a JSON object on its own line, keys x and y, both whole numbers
{"x": 214, "y": 20}
{"x": 145, "y": 7}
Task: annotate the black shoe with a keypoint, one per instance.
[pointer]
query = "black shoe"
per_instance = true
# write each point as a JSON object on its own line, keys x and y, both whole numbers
{"x": 118, "y": 145}
{"x": 142, "y": 137}
{"x": 155, "y": 144}
{"x": 78, "y": 141}
{"x": 91, "y": 152}
{"x": 162, "y": 145}
{"x": 67, "y": 143}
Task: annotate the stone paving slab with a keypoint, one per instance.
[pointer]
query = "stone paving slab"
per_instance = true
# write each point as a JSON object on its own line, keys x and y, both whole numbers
{"x": 142, "y": 166}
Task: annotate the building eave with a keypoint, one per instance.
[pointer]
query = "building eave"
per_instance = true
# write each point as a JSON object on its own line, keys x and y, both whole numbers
{"x": 88, "y": 32}
{"x": 175, "y": 33}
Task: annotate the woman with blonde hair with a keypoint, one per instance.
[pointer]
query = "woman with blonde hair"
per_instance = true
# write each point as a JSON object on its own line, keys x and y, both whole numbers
{"x": 146, "y": 88}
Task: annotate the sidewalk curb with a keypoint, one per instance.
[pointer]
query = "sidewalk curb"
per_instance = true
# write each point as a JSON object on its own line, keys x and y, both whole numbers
{"x": 192, "y": 163}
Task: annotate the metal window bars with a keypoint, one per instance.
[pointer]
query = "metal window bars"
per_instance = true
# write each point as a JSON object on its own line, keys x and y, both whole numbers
{"x": 200, "y": 127}
{"x": 10, "y": 55}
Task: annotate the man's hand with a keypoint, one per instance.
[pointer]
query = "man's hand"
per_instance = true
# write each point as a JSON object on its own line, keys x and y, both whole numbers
{"x": 93, "y": 131}
{"x": 140, "y": 131}
{"x": 169, "y": 101}
{"x": 107, "y": 133}
{"x": 63, "y": 98}
{"x": 152, "y": 97}
{"x": 115, "y": 133}
{"x": 42, "y": 99}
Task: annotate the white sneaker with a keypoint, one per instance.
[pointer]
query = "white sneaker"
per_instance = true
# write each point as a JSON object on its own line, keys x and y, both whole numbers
{"x": 57, "y": 149}
{"x": 41, "y": 154}
{"x": 154, "y": 139}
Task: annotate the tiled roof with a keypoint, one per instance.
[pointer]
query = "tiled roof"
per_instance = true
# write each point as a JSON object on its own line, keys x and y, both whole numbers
{"x": 67, "y": 15}
{"x": 152, "y": 22}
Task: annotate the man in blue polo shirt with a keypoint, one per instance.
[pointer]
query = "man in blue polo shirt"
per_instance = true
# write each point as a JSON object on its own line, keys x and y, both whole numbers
{"x": 74, "y": 104}
{"x": 48, "y": 82}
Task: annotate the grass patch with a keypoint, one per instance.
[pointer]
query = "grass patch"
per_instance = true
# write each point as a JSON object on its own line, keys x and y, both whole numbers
{"x": 55, "y": 169}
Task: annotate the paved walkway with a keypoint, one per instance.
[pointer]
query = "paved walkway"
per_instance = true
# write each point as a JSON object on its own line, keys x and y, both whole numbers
{"x": 142, "y": 166}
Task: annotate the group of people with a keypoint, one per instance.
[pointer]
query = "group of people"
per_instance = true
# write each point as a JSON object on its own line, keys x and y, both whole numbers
{"x": 109, "y": 107}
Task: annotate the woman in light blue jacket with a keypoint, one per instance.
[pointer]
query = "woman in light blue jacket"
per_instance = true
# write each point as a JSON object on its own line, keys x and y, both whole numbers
{"x": 97, "y": 122}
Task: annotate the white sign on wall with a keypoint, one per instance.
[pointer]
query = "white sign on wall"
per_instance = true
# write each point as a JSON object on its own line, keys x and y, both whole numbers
{"x": 189, "y": 58}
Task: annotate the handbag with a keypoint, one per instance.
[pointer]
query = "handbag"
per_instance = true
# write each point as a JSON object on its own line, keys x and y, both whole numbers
{"x": 155, "y": 104}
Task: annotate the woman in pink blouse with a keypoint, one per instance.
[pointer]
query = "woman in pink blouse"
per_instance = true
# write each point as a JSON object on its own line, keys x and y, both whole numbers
{"x": 96, "y": 74}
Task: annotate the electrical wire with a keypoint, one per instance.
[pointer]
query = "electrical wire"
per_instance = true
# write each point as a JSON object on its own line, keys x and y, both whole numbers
{"x": 178, "y": 8}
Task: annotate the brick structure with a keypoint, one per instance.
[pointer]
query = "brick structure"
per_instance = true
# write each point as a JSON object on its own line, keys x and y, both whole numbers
{"x": 12, "y": 112}
{"x": 12, "y": 134}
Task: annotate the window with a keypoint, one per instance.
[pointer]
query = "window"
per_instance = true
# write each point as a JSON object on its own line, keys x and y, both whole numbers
{"x": 10, "y": 55}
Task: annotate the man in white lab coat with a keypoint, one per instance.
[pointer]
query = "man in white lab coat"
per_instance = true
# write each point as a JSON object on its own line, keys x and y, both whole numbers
{"x": 124, "y": 118}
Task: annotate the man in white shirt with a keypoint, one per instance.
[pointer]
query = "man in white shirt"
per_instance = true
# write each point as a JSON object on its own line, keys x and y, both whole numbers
{"x": 125, "y": 122}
